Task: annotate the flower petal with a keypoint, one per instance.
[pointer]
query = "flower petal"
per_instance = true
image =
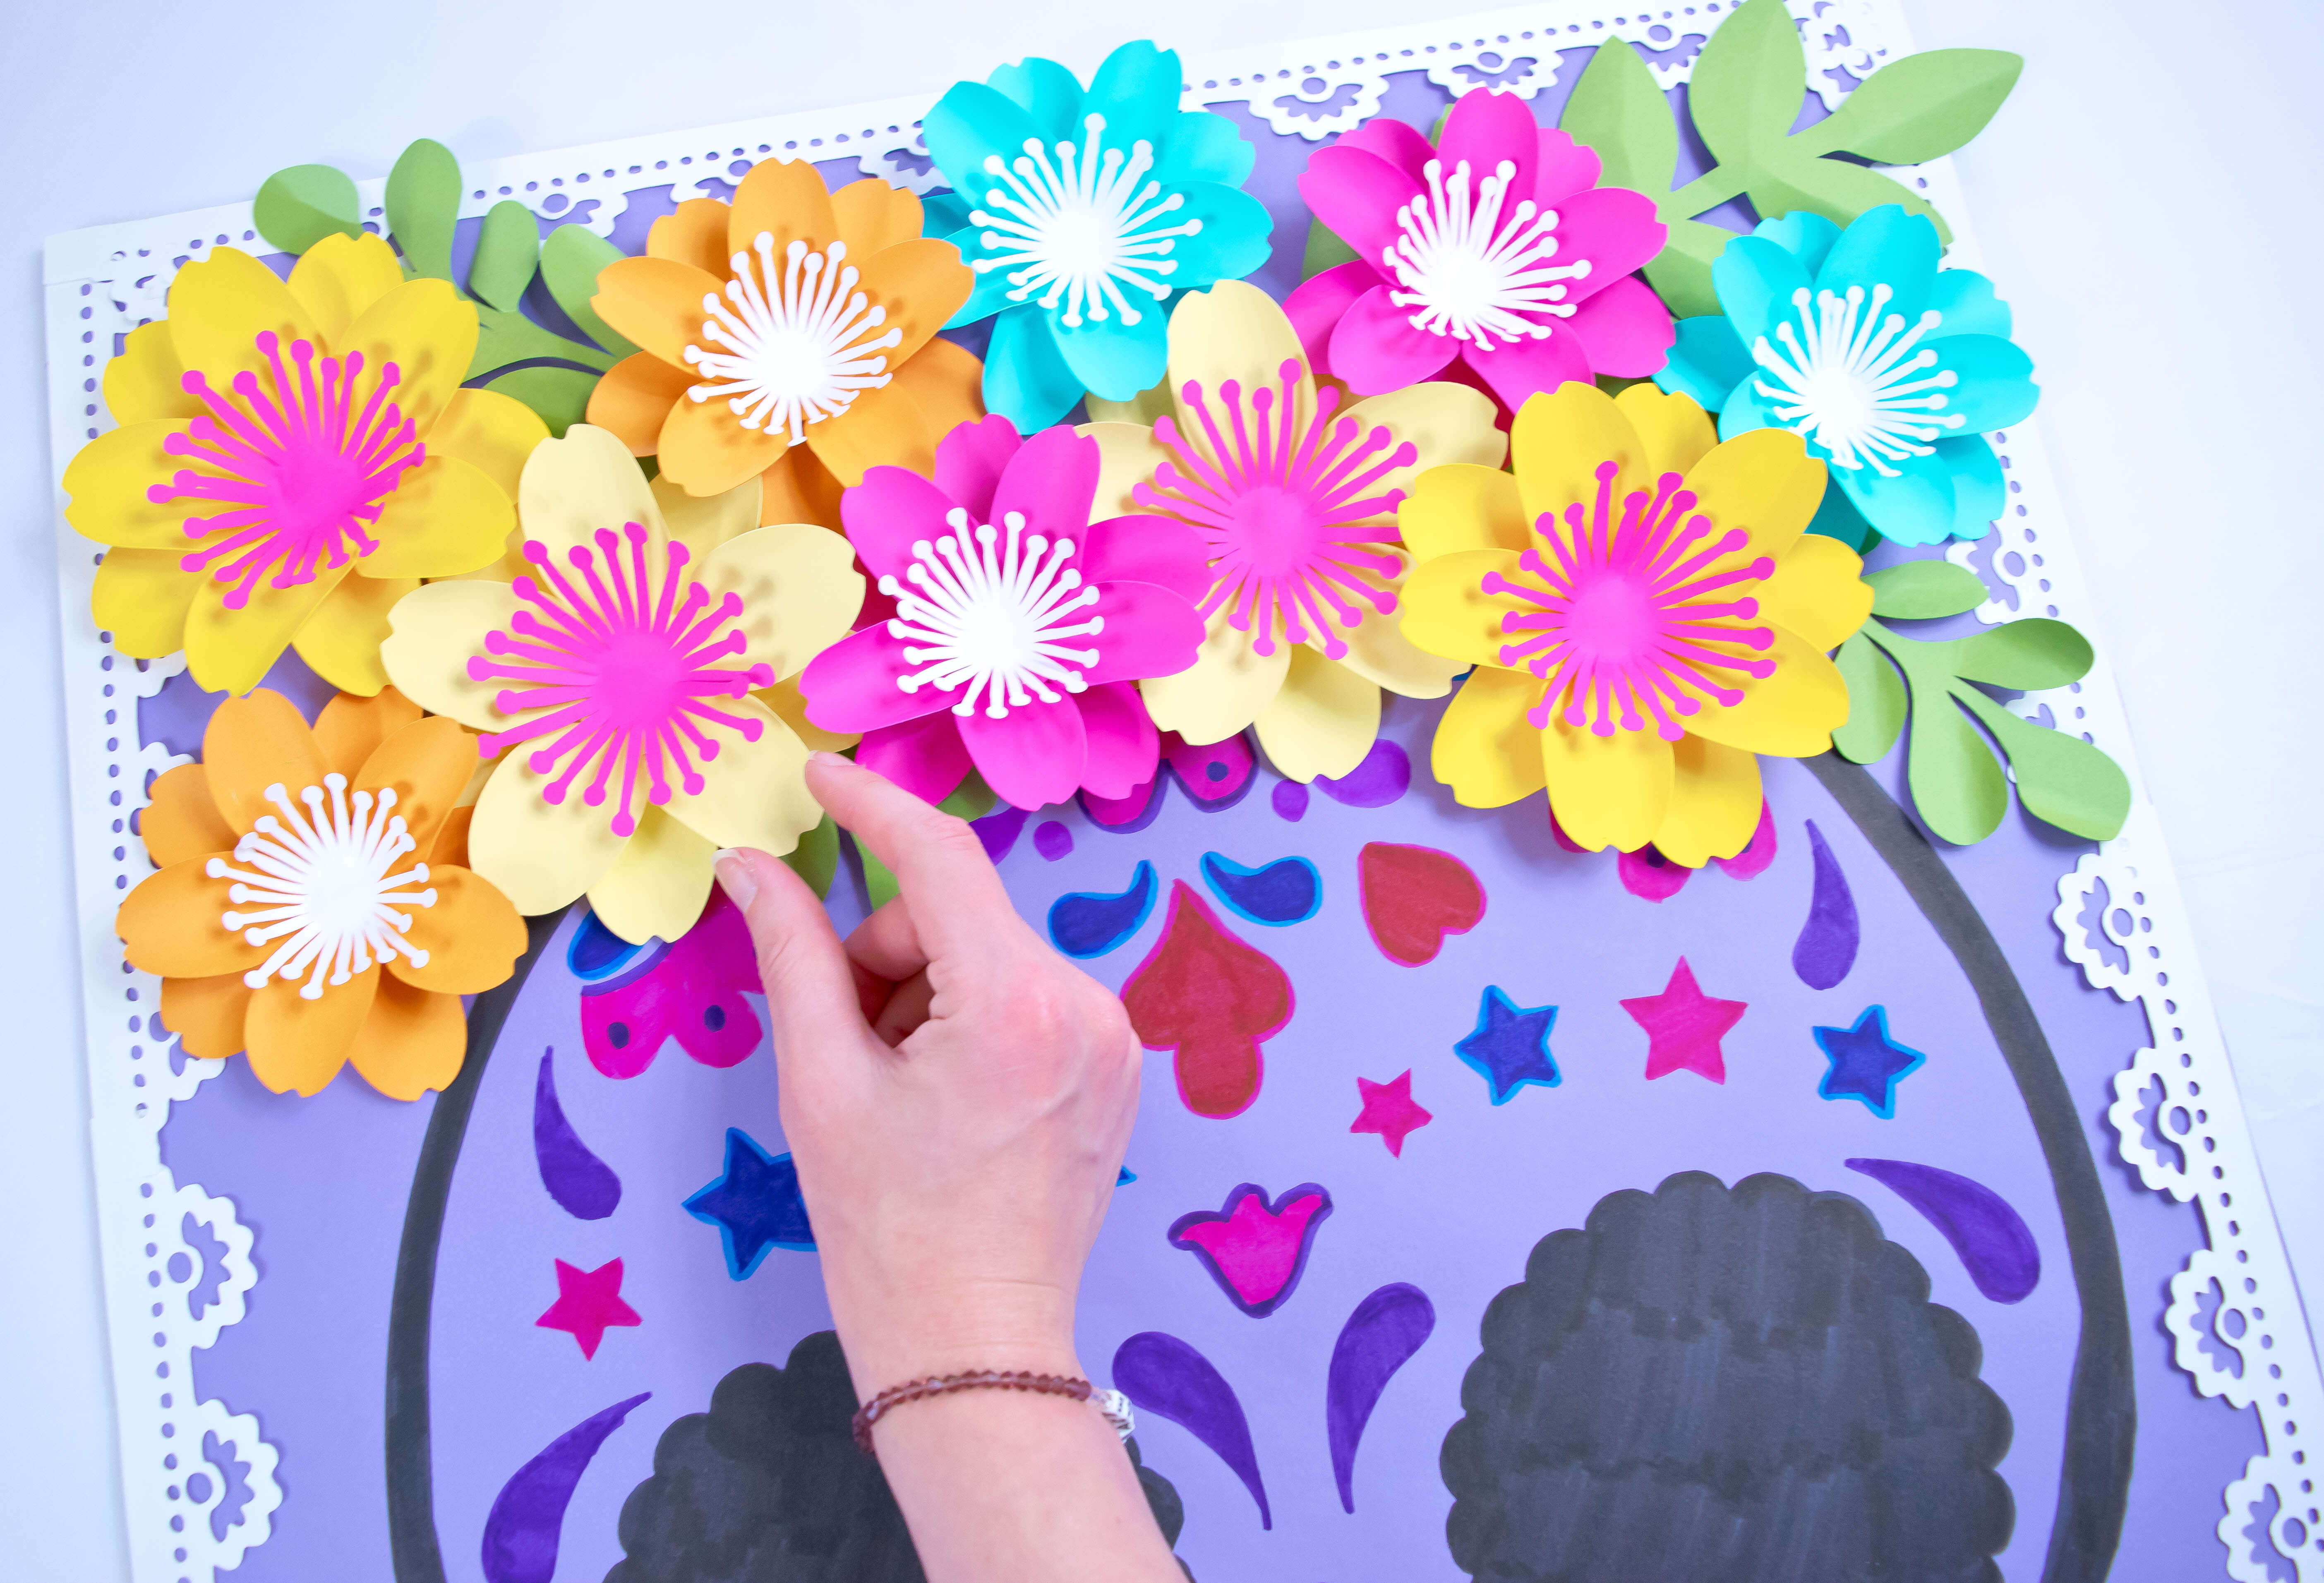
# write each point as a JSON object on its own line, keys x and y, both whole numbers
{"x": 1706, "y": 362}
{"x": 944, "y": 381}
{"x": 703, "y": 522}
{"x": 1997, "y": 389}
{"x": 340, "y": 276}
{"x": 1128, "y": 454}
{"x": 218, "y": 307}
{"x": 890, "y": 510}
{"x": 1136, "y": 89}
{"x": 869, "y": 215}
{"x": 1624, "y": 329}
{"x": 1323, "y": 719}
{"x": 883, "y": 425}
{"x": 574, "y": 486}
{"x": 493, "y": 433}
{"x": 705, "y": 449}
{"x": 472, "y": 935}
{"x": 141, "y": 596}
{"x": 538, "y": 853}
{"x": 789, "y": 705}
{"x": 1379, "y": 651}
{"x": 1486, "y": 750}
{"x": 1124, "y": 745}
{"x": 786, "y": 198}
{"x": 656, "y": 303}
{"x": 634, "y": 399}
{"x": 351, "y": 726}
{"x": 1026, "y": 377}
{"x": 1606, "y": 791}
{"x": 1233, "y": 331}
{"x": 1317, "y": 304}
{"x": 797, "y": 488}
{"x": 340, "y": 642}
{"x": 657, "y": 888}
{"x": 1916, "y": 504}
{"x": 1615, "y": 229}
{"x": 180, "y": 821}
{"x": 799, "y": 590}
{"x": 1673, "y": 432}
{"x": 1446, "y": 610}
{"x": 1223, "y": 691}
{"x": 1817, "y": 592}
{"x": 1149, "y": 631}
{"x": 413, "y": 1040}
{"x": 1755, "y": 279}
{"x": 1462, "y": 507}
{"x": 1563, "y": 168}
{"x": 252, "y": 743}
{"x": 1764, "y": 482}
{"x": 145, "y": 381}
{"x": 969, "y": 460}
{"x": 1715, "y": 806}
{"x": 852, "y": 685}
{"x": 1979, "y": 495}
{"x": 107, "y": 481}
{"x": 925, "y": 756}
{"x": 169, "y": 924}
{"x": 1964, "y": 297}
{"x": 1375, "y": 348}
{"x": 695, "y": 233}
{"x": 1137, "y": 549}
{"x": 754, "y": 793}
{"x": 231, "y": 650}
{"x": 434, "y": 633}
{"x": 1447, "y": 425}
{"x": 427, "y": 764}
{"x": 1030, "y": 756}
{"x": 446, "y": 518}
{"x": 297, "y": 1045}
{"x": 1790, "y": 714}
{"x": 1399, "y": 142}
{"x": 207, "y": 1014}
{"x": 1886, "y": 246}
{"x": 1052, "y": 480}
{"x": 429, "y": 335}
{"x": 1559, "y": 441}
{"x": 1484, "y": 129}
{"x": 1358, "y": 195}
{"x": 920, "y": 282}
{"x": 1114, "y": 357}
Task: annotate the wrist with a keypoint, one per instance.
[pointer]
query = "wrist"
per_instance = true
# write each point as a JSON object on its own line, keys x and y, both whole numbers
{"x": 889, "y": 1344}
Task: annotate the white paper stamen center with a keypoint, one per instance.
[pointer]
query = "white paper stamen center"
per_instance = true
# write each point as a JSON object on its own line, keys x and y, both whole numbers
{"x": 1473, "y": 274}
{"x": 798, "y": 347}
{"x": 988, "y": 611}
{"x": 1843, "y": 380}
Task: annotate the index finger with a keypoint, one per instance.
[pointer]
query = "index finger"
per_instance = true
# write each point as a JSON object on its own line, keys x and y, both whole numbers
{"x": 949, "y": 885}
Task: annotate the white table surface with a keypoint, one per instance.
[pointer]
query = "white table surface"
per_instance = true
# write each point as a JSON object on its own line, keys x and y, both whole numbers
{"x": 2134, "y": 201}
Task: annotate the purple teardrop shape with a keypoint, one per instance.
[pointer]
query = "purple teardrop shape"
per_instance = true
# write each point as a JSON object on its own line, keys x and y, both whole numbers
{"x": 1826, "y": 948}
{"x": 1995, "y": 1245}
{"x": 527, "y": 1516}
{"x": 583, "y": 1185}
{"x": 1164, "y": 1376}
{"x": 1379, "y": 1339}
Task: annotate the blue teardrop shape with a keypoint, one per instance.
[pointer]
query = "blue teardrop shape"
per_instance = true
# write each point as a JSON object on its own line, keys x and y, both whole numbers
{"x": 596, "y": 951}
{"x": 1287, "y": 890}
{"x": 1086, "y": 923}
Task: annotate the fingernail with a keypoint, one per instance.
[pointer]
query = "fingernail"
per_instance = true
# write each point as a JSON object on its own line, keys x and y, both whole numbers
{"x": 831, "y": 760}
{"x": 734, "y": 877}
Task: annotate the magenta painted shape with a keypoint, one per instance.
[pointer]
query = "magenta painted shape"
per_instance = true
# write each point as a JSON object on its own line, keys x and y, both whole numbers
{"x": 1684, "y": 1026}
{"x": 1757, "y": 853}
{"x": 588, "y": 1304}
{"x": 1995, "y": 1244}
{"x": 1390, "y": 1110}
{"x": 1650, "y": 875}
{"x": 694, "y": 995}
{"x": 1164, "y": 1377}
{"x": 527, "y": 1520}
{"x": 1214, "y": 773}
{"x": 1256, "y": 1250}
{"x": 1379, "y": 1337}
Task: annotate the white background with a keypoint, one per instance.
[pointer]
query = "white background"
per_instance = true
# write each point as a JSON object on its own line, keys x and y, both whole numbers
{"x": 2144, "y": 201}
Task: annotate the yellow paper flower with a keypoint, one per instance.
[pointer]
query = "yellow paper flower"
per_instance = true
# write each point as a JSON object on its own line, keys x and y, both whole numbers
{"x": 614, "y": 682}
{"x": 1295, "y": 501}
{"x": 789, "y": 337}
{"x": 311, "y": 908}
{"x": 292, "y": 459}
{"x": 1645, "y": 613}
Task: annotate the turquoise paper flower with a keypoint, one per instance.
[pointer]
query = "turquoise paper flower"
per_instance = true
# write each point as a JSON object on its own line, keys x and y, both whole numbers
{"x": 1083, "y": 214}
{"x": 1891, "y": 368}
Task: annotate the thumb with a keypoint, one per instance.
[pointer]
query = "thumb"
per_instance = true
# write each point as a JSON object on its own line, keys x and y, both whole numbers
{"x": 810, "y": 988}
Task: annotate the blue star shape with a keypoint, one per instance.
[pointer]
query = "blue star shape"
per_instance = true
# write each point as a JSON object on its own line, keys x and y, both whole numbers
{"x": 1867, "y": 1064}
{"x": 755, "y": 1205}
{"x": 1510, "y": 1047}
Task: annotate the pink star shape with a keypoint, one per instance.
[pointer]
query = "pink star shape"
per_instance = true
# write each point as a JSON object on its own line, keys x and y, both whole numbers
{"x": 588, "y": 1304}
{"x": 1684, "y": 1026}
{"x": 1388, "y": 1111}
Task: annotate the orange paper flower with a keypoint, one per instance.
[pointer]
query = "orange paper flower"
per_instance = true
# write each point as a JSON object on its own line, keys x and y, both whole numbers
{"x": 789, "y": 337}
{"x": 311, "y": 908}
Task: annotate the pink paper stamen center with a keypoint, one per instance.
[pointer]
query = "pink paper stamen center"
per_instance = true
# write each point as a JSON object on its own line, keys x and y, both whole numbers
{"x": 1622, "y": 625}
{"x": 1470, "y": 271}
{"x": 301, "y": 464}
{"x": 1278, "y": 500}
{"x": 613, "y": 663}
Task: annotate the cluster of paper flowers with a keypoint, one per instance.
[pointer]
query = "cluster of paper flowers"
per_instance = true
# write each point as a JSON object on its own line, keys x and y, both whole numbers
{"x": 855, "y": 534}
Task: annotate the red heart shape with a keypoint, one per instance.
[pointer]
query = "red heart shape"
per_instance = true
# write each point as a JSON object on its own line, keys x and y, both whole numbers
{"x": 1415, "y": 895}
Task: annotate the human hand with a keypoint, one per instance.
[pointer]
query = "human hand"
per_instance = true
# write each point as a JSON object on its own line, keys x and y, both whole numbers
{"x": 958, "y": 1096}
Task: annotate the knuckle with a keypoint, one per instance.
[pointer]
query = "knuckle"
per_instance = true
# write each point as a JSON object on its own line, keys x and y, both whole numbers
{"x": 949, "y": 835}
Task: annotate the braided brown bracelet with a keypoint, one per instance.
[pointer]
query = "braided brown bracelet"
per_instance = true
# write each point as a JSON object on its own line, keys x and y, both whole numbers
{"x": 1114, "y": 1404}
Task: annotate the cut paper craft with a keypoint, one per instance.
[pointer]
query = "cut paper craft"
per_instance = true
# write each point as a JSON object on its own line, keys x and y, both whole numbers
{"x": 1414, "y": 897}
{"x": 1053, "y": 841}
{"x": 1628, "y": 656}
{"x": 1384, "y": 776}
{"x": 1995, "y": 1245}
{"x": 1511, "y": 1046}
{"x": 1255, "y": 1249}
{"x": 1390, "y": 1110}
{"x": 1826, "y": 948}
{"x": 1206, "y": 995}
{"x": 1684, "y": 1026}
{"x": 1867, "y": 1064}
{"x": 755, "y": 1203}
{"x": 527, "y": 1522}
{"x": 583, "y": 1185}
{"x": 1379, "y": 1337}
{"x": 1287, "y": 890}
{"x": 1085, "y": 923}
{"x": 588, "y": 1304}
{"x": 998, "y": 830}
{"x": 1162, "y": 1375}
{"x": 692, "y": 993}
{"x": 1289, "y": 800}
{"x": 1214, "y": 777}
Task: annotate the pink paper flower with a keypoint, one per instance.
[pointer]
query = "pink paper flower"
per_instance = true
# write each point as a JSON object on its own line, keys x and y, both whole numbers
{"x": 1020, "y": 624}
{"x": 1494, "y": 254}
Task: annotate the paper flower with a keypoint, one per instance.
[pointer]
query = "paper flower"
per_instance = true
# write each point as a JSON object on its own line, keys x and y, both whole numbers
{"x": 1081, "y": 213}
{"x": 292, "y": 458}
{"x": 1645, "y": 614}
{"x": 787, "y": 336}
{"x": 1495, "y": 249}
{"x": 614, "y": 681}
{"x": 310, "y": 908}
{"x": 1020, "y": 624}
{"x": 1891, "y": 368}
{"x": 1294, "y": 501}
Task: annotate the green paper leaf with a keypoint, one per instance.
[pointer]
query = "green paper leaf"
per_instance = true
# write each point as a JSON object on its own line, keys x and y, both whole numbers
{"x": 1749, "y": 82}
{"x": 508, "y": 255}
{"x": 1791, "y": 178}
{"x": 423, "y": 203}
{"x": 1877, "y": 705}
{"x": 560, "y": 395}
{"x": 298, "y": 208}
{"x": 815, "y": 858}
{"x": 570, "y": 260}
{"x": 1681, "y": 273}
{"x": 1618, "y": 112}
{"x": 1958, "y": 788}
{"x": 970, "y": 799}
{"x": 2028, "y": 655}
{"x": 1921, "y": 106}
{"x": 1918, "y": 590}
{"x": 2061, "y": 779}
{"x": 1325, "y": 251}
